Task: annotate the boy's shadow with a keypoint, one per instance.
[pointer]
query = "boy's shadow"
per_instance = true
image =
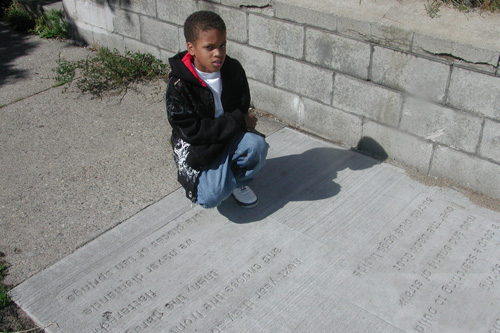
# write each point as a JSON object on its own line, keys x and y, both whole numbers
{"x": 303, "y": 177}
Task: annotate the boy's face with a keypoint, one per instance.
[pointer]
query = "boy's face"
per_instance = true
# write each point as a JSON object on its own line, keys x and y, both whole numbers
{"x": 209, "y": 50}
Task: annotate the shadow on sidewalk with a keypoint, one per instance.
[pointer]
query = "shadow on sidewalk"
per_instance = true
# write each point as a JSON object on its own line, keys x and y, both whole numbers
{"x": 13, "y": 45}
{"x": 303, "y": 177}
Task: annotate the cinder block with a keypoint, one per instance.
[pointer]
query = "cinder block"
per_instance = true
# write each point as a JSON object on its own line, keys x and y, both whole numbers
{"x": 82, "y": 32}
{"x": 159, "y": 34}
{"x": 106, "y": 39}
{"x": 276, "y": 36}
{"x": 330, "y": 123}
{"x": 182, "y": 39}
{"x": 339, "y": 53}
{"x": 464, "y": 54}
{"x": 357, "y": 28}
{"x": 282, "y": 104}
{"x": 236, "y": 21}
{"x": 390, "y": 35}
{"x": 367, "y": 99}
{"x": 133, "y": 45}
{"x": 146, "y": 7}
{"x": 467, "y": 170}
{"x": 127, "y": 24}
{"x": 262, "y": 6}
{"x": 475, "y": 92}
{"x": 409, "y": 73}
{"x": 400, "y": 146}
{"x": 258, "y": 65}
{"x": 94, "y": 14}
{"x": 313, "y": 82}
{"x": 440, "y": 124}
{"x": 70, "y": 12}
{"x": 175, "y": 11}
{"x": 305, "y": 15}
{"x": 246, "y": 3}
{"x": 165, "y": 55}
{"x": 490, "y": 142}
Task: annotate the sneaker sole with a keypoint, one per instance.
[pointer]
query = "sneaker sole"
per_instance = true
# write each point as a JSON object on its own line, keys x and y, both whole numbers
{"x": 244, "y": 205}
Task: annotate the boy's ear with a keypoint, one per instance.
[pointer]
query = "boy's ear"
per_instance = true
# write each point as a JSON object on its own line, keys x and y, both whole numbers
{"x": 190, "y": 48}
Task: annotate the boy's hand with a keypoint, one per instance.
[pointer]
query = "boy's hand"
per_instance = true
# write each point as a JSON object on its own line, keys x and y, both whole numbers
{"x": 250, "y": 120}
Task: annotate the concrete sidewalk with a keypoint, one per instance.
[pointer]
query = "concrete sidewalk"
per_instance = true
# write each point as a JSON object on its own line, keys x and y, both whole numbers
{"x": 72, "y": 167}
{"x": 86, "y": 183}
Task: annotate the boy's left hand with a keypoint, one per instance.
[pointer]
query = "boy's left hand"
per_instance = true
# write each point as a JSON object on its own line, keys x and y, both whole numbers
{"x": 251, "y": 120}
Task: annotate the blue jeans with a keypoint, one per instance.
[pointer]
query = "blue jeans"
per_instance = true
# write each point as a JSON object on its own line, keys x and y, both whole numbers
{"x": 235, "y": 167}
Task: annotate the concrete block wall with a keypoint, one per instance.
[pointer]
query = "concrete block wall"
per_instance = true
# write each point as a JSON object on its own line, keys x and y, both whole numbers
{"x": 425, "y": 91}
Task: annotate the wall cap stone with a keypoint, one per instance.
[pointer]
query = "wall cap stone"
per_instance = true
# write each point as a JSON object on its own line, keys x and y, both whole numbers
{"x": 472, "y": 38}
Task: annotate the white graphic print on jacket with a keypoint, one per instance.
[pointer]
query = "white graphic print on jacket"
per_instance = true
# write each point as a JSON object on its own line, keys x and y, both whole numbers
{"x": 180, "y": 154}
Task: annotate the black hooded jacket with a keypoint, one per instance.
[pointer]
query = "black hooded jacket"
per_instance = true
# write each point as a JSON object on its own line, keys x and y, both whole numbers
{"x": 197, "y": 136}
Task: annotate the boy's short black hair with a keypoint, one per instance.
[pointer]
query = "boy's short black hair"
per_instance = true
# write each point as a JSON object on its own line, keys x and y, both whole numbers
{"x": 202, "y": 21}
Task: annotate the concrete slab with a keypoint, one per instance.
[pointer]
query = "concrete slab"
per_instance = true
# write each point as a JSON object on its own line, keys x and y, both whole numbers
{"x": 338, "y": 243}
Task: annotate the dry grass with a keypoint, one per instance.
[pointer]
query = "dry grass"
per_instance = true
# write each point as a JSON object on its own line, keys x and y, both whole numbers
{"x": 433, "y": 6}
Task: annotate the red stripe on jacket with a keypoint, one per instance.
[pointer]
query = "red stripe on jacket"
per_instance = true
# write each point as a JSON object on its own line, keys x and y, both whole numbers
{"x": 188, "y": 61}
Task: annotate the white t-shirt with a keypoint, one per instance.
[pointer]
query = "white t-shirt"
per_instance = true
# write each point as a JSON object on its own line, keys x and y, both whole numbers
{"x": 214, "y": 82}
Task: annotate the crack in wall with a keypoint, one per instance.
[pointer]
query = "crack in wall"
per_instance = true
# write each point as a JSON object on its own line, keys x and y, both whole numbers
{"x": 454, "y": 57}
{"x": 269, "y": 5}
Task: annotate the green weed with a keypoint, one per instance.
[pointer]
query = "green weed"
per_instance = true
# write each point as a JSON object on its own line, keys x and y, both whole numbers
{"x": 3, "y": 270}
{"x": 4, "y": 297}
{"x": 9, "y": 316}
{"x": 52, "y": 25}
{"x": 48, "y": 25}
{"x": 18, "y": 17}
{"x": 432, "y": 8}
{"x": 109, "y": 71}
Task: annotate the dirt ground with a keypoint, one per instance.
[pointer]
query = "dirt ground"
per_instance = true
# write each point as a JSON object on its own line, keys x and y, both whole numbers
{"x": 474, "y": 197}
{"x": 12, "y": 319}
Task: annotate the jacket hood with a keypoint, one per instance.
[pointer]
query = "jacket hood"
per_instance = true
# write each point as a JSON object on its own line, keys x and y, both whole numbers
{"x": 181, "y": 66}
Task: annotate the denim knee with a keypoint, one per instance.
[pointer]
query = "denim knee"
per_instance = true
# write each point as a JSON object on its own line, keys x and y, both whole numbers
{"x": 214, "y": 190}
{"x": 217, "y": 183}
{"x": 213, "y": 199}
{"x": 212, "y": 202}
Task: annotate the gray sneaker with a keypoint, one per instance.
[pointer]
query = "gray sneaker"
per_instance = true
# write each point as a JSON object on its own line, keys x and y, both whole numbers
{"x": 245, "y": 197}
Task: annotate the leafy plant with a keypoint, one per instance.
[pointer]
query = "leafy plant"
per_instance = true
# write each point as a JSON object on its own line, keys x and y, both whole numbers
{"x": 4, "y": 297}
{"x": 48, "y": 25}
{"x": 110, "y": 71}
{"x": 18, "y": 17}
{"x": 3, "y": 270}
{"x": 52, "y": 25}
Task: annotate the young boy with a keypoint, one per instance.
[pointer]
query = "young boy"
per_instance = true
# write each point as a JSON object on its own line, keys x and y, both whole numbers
{"x": 215, "y": 145}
